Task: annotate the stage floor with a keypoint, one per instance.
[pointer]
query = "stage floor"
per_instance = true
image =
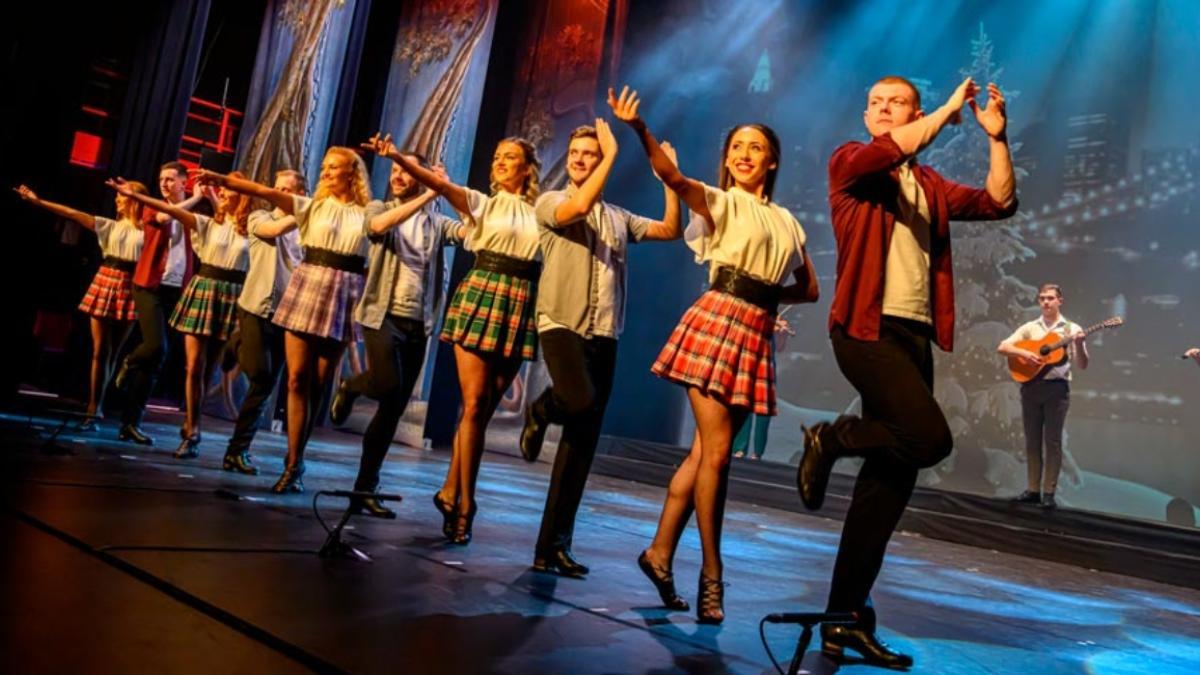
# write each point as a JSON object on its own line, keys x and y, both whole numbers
{"x": 121, "y": 559}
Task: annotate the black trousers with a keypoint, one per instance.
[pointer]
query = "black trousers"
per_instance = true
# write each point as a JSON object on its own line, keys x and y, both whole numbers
{"x": 902, "y": 430}
{"x": 581, "y": 370}
{"x": 394, "y": 354}
{"x": 260, "y": 355}
{"x": 1044, "y": 405}
{"x": 145, "y": 362}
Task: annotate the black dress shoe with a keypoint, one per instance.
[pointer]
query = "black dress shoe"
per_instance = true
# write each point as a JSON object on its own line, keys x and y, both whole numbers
{"x": 875, "y": 652}
{"x": 812, "y": 476}
{"x": 448, "y": 516}
{"x": 664, "y": 583}
{"x": 462, "y": 527}
{"x": 533, "y": 434}
{"x": 239, "y": 462}
{"x": 561, "y": 563}
{"x": 342, "y": 403}
{"x": 189, "y": 447}
{"x": 132, "y": 433}
{"x": 1047, "y": 502}
{"x": 710, "y": 601}
{"x": 1027, "y": 497}
{"x": 290, "y": 480}
{"x": 373, "y": 507}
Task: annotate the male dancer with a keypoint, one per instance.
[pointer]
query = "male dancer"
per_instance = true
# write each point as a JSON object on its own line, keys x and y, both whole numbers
{"x": 399, "y": 301}
{"x": 581, "y": 308}
{"x": 1045, "y": 399}
{"x": 894, "y": 297}
{"x": 260, "y": 347}
{"x": 162, "y": 269}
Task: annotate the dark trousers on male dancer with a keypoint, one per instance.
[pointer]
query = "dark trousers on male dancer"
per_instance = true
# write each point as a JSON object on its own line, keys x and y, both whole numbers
{"x": 260, "y": 356}
{"x": 902, "y": 430}
{"x": 581, "y": 370}
{"x": 395, "y": 352}
{"x": 144, "y": 363}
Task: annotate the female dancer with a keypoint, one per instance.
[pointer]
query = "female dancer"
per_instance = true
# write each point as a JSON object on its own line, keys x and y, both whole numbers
{"x": 109, "y": 299}
{"x": 206, "y": 313}
{"x": 316, "y": 309}
{"x": 490, "y": 320}
{"x": 721, "y": 350}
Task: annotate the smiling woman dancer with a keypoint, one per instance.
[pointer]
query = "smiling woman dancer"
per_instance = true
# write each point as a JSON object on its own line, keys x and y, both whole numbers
{"x": 721, "y": 350}
{"x": 490, "y": 319}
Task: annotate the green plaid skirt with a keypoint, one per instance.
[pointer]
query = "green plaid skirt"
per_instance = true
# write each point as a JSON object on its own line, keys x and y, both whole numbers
{"x": 207, "y": 307}
{"x": 493, "y": 312}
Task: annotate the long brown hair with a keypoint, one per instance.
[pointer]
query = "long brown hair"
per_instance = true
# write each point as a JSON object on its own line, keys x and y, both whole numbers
{"x": 772, "y": 145}
{"x": 133, "y": 208}
{"x": 241, "y": 205}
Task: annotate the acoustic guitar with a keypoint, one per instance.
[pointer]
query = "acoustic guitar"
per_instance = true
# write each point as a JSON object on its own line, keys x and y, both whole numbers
{"x": 1053, "y": 350}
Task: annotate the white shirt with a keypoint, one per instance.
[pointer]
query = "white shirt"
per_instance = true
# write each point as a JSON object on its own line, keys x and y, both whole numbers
{"x": 119, "y": 238}
{"x": 755, "y": 236}
{"x": 271, "y": 265}
{"x": 1037, "y": 329}
{"x": 503, "y": 223}
{"x": 219, "y": 244}
{"x": 906, "y": 280}
{"x": 331, "y": 225}
{"x": 176, "y": 257}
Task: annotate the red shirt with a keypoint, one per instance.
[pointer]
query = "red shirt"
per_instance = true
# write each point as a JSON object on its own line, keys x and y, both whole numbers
{"x": 863, "y": 194}
{"x": 156, "y": 244}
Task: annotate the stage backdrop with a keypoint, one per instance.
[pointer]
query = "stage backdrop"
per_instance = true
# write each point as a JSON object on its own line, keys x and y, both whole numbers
{"x": 1107, "y": 153}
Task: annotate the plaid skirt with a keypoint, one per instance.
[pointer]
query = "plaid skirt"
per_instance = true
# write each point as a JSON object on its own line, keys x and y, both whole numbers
{"x": 320, "y": 301}
{"x": 110, "y": 295}
{"x": 493, "y": 312}
{"x": 207, "y": 307}
{"x": 723, "y": 346}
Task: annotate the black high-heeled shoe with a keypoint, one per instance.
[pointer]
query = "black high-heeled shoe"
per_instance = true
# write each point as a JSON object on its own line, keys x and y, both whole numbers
{"x": 710, "y": 601}
{"x": 189, "y": 446}
{"x": 462, "y": 527}
{"x": 448, "y": 512}
{"x": 664, "y": 583}
{"x": 239, "y": 462}
{"x": 290, "y": 480}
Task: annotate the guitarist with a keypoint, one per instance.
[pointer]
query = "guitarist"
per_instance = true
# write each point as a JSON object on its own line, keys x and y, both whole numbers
{"x": 1045, "y": 398}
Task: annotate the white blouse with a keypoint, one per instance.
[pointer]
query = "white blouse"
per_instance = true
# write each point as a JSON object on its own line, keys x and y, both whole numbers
{"x": 119, "y": 238}
{"x": 219, "y": 244}
{"x": 753, "y": 235}
{"x": 331, "y": 225}
{"x": 502, "y": 223}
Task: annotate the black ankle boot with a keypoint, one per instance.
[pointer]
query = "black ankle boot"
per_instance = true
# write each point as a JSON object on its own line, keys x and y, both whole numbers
{"x": 239, "y": 462}
{"x": 812, "y": 476}
{"x": 374, "y": 508}
{"x": 290, "y": 480}
{"x": 189, "y": 446}
{"x": 560, "y": 562}
{"x": 875, "y": 652}
{"x": 533, "y": 434}
{"x": 130, "y": 432}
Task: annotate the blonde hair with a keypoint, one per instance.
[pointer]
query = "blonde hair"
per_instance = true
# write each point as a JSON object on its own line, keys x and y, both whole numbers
{"x": 133, "y": 208}
{"x": 530, "y": 189}
{"x": 360, "y": 186}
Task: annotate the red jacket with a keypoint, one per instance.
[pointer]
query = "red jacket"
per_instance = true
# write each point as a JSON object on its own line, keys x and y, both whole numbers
{"x": 863, "y": 192}
{"x": 156, "y": 243}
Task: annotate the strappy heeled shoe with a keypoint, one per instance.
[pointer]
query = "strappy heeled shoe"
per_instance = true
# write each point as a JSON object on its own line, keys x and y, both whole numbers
{"x": 462, "y": 527}
{"x": 290, "y": 480}
{"x": 189, "y": 446}
{"x": 710, "y": 601}
{"x": 448, "y": 512}
{"x": 664, "y": 583}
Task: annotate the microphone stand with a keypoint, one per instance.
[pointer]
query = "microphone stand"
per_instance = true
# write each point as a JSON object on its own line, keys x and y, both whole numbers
{"x": 808, "y": 620}
{"x": 334, "y": 547}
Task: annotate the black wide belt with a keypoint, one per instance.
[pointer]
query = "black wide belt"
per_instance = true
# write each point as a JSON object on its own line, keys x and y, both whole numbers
{"x": 499, "y": 263}
{"x": 745, "y": 287}
{"x": 118, "y": 263}
{"x": 338, "y": 261}
{"x": 221, "y": 273}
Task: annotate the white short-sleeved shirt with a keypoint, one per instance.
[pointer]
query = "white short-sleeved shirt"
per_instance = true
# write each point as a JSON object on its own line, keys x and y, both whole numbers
{"x": 1037, "y": 329}
{"x": 119, "y": 238}
{"x": 755, "y": 236}
{"x": 906, "y": 281}
{"x": 219, "y": 244}
{"x": 331, "y": 225}
{"x": 503, "y": 223}
{"x": 271, "y": 265}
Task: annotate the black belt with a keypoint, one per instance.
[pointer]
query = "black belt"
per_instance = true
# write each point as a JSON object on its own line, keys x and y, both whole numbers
{"x": 499, "y": 263}
{"x": 338, "y": 261}
{"x": 118, "y": 263}
{"x": 221, "y": 273}
{"x": 745, "y": 287}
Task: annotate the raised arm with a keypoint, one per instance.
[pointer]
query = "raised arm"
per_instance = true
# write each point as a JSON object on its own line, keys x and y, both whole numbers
{"x": 437, "y": 181}
{"x": 805, "y": 289}
{"x": 1001, "y": 180}
{"x": 625, "y": 108}
{"x": 277, "y": 198}
{"x": 670, "y": 227}
{"x": 84, "y": 219}
{"x": 274, "y": 228}
{"x": 182, "y": 215}
{"x": 580, "y": 204}
{"x": 914, "y": 136}
{"x": 394, "y": 216}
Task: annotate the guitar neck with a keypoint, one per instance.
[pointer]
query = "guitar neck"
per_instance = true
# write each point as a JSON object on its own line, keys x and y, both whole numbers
{"x": 1086, "y": 331}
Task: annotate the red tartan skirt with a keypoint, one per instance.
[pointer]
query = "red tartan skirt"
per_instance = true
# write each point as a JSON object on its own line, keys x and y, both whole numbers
{"x": 110, "y": 296}
{"x": 723, "y": 346}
